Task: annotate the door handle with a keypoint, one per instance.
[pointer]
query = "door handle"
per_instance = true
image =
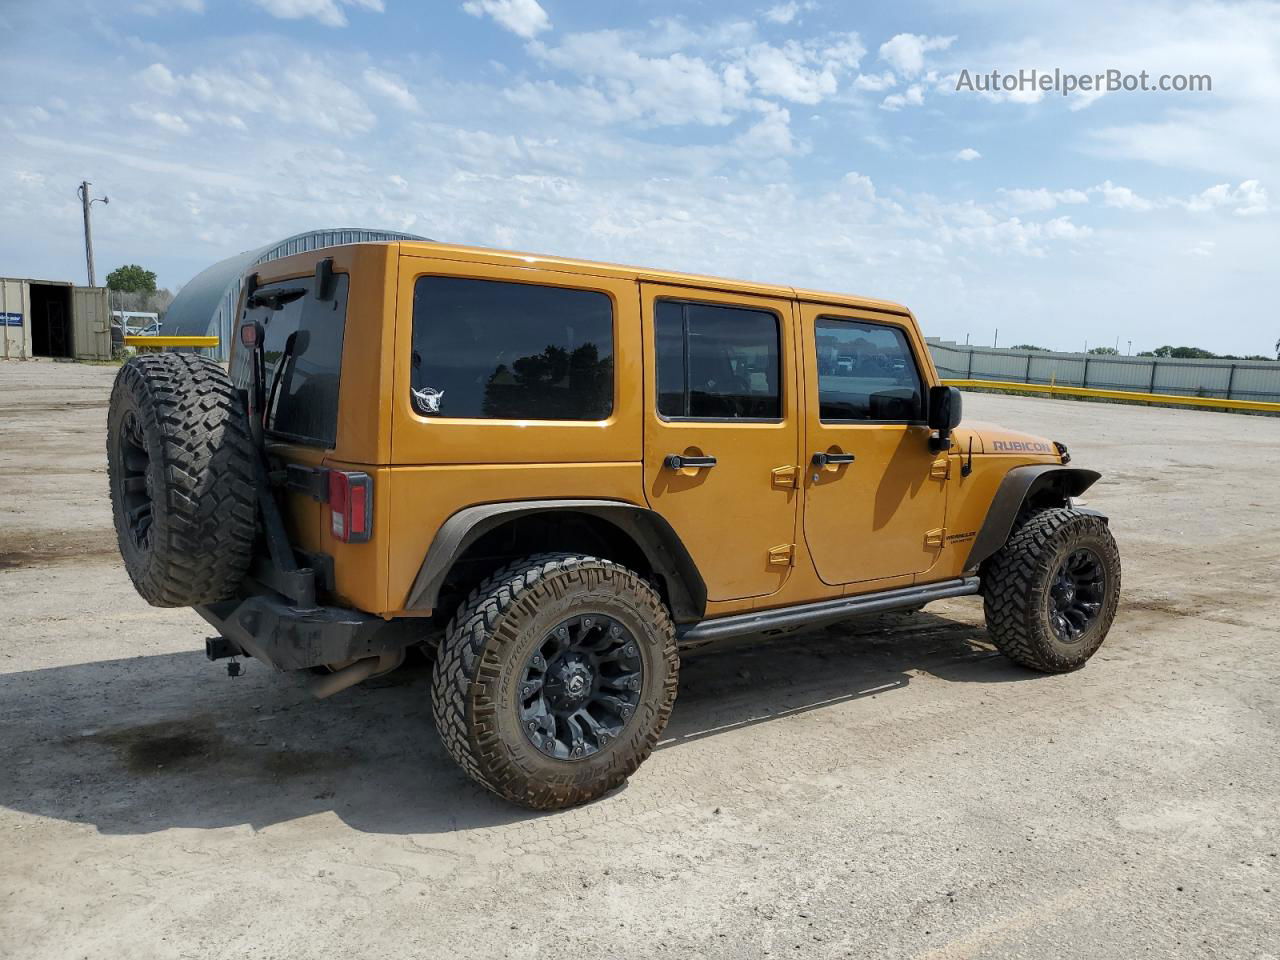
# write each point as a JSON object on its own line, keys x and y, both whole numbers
{"x": 823, "y": 459}
{"x": 674, "y": 461}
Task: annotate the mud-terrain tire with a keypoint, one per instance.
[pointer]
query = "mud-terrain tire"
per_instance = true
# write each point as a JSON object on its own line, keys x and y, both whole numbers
{"x": 1041, "y": 589}
{"x": 480, "y": 683}
{"x": 180, "y": 465}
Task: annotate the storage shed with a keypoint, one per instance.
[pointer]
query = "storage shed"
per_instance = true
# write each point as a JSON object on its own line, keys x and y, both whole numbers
{"x": 51, "y": 318}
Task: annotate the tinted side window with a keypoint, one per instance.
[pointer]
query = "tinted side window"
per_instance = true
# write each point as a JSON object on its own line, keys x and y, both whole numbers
{"x": 716, "y": 363}
{"x": 866, "y": 372}
{"x": 487, "y": 349}
{"x": 302, "y": 354}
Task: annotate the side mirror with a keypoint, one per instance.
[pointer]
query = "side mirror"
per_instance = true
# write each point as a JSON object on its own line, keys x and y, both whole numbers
{"x": 944, "y": 415}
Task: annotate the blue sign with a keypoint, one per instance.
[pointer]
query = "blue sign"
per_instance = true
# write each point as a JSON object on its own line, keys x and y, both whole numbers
{"x": 10, "y": 319}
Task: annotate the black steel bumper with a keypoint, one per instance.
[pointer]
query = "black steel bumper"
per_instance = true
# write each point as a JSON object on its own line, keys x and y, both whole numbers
{"x": 270, "y": 629}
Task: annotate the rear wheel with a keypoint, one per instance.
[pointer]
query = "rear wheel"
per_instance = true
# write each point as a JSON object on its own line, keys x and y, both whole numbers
{"x": 1050, "y": 593}
{"x": 180, "y": 463}
{"x": 556, "y": 679}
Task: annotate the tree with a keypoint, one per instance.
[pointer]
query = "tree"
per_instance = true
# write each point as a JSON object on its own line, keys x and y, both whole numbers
{"x": 1030, "y": 346}
{"x": 131, "y": 278}
{"x": 1105, "y": 351}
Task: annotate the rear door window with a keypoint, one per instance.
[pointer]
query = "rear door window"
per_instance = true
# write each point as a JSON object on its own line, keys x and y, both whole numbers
{"x": 717, "y": 363}
{"x": 493, "y": 350}
{"x": 302, "y": 354}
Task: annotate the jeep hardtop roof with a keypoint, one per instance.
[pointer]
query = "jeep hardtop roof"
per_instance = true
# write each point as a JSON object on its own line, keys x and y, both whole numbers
{"x": 570, "y": 265}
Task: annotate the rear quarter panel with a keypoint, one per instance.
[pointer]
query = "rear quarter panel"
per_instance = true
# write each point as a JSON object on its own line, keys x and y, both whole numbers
{"x": 439, "y": 465}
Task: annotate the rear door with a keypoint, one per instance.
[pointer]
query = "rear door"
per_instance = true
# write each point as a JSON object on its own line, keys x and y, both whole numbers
{"x": 875, "y": 498}
{"x": 722, "y": 432}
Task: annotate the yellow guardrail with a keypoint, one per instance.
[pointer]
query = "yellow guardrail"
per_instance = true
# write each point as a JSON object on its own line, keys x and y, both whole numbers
{"x": 1131, "y": 395}
{"x": 161, "y": 342}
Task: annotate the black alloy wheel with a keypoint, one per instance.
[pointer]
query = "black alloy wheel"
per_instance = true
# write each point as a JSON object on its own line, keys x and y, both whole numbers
{"x": 580, "y": 687}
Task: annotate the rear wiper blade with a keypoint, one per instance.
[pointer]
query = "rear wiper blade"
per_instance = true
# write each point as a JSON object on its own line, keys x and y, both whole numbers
{"x": 275, "y": 299}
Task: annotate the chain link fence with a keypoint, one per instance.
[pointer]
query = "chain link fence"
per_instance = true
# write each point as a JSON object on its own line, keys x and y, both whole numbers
{"x": 1219, "y": 379}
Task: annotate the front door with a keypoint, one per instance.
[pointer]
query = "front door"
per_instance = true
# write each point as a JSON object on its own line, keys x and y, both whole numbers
{"x": 722, "y": 433}
{"x": 875, "y": 495}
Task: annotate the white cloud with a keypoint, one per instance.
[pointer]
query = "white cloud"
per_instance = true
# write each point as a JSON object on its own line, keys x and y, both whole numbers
{"x": 159, "y": 78}
{"x": 154, "y": 8}
{"x": 301, "y": 90}
{"x": 770, "y": 136}
{"x": 913, "y": 96}
{"x": 875, "y": 82}
{"x": 1246, "y": 200}
{"x": 328, "y": 12}
{"x": 161, "y": 118}
{"x": 1061, "y": 228}
{"x": 968, "y": 154}
{"x": 1122, "y": 198}
{"x": 1041, "y": 199}
{"x": 905, "y": 52}
{"x": 392, "y": 87}
{"x": 623, "y": 85}
{"x": 782, "y": 72}
{"x": 784, "y": 13}
{"x": 524, "y": 18}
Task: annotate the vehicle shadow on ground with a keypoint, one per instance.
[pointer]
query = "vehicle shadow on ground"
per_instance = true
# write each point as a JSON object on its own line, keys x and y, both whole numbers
{"x": 150, "y": 743}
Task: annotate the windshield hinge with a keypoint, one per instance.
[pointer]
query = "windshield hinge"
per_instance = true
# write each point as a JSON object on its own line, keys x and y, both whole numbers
{"x": 782, "y": 556}
{"x": 785, "y": 478}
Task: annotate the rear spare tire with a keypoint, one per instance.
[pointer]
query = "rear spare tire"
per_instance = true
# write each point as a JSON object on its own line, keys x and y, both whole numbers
{"x": 180, "y": 462}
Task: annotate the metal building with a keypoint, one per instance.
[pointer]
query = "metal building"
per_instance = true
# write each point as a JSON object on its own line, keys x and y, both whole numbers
{"x": 53, "y": 318}
{"x": 206, "y": 306}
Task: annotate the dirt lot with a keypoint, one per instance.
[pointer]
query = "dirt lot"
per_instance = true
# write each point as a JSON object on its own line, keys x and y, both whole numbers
{"x": 893, "y": 789}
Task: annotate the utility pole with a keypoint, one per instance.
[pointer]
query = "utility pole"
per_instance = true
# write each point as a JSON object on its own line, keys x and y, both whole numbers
{"x": 1130, "y": 353}
{"x": 995, "y": 341}
{"x": 87, "y": 201}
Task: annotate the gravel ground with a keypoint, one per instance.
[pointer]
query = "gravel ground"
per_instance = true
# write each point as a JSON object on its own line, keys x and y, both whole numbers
{"x": 890, "y": 789}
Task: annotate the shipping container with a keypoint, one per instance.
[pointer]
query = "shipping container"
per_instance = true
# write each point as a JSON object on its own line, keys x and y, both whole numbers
{"x": 50, "y": 318}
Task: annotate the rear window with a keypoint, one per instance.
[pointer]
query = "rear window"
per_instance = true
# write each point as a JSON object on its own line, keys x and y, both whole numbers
{"x": 302, "y": 353}
{"x": 487, "y": 349}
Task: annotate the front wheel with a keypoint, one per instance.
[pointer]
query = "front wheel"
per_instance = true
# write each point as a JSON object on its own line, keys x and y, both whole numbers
{"x": 556, "y": 679}
{"x": 1051, "y": 592}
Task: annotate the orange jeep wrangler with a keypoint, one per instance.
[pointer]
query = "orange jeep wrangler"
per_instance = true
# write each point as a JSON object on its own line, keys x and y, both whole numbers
{"x": 558, "y": 474}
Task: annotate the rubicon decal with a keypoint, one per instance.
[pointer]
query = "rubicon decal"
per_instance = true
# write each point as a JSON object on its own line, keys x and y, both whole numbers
{"x": 1020, "y": 446}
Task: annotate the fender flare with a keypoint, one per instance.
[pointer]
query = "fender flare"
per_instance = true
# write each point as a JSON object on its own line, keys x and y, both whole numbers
{"x": 650, "y": 532}
{"x": 1019, "y": 485}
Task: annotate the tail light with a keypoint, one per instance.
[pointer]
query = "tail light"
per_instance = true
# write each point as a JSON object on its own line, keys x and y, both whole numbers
{"x": 350, "y": 506}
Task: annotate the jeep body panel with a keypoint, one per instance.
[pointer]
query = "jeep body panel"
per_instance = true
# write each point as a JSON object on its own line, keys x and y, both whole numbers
{"x": 660, "y": 544}
{"x": 735, "y": 517}
{"x": 765, "y": 528}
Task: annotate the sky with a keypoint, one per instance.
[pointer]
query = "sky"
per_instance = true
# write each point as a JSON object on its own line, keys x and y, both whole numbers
{"x": 807, "y": 142}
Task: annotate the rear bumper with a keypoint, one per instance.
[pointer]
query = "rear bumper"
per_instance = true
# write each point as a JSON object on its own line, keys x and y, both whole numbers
{"x": 270, "y": 629}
